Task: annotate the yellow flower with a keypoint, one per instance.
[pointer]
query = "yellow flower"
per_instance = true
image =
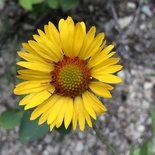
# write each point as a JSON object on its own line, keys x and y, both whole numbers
{"x": 65, "y": 69}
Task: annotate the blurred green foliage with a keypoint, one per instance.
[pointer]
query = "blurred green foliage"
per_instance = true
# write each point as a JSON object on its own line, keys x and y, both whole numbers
{"x": 65, "y": 5}
{"x": 30, "y": 130}
{"x": 147, "y": 147}
{"x": 10, "y": 118}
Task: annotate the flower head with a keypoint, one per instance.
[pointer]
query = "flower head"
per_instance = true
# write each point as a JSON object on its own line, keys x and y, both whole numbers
{"x": 64, "y": 71}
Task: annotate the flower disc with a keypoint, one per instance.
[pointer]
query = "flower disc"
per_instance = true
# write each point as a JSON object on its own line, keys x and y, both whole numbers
{"x": 71, "y": 77}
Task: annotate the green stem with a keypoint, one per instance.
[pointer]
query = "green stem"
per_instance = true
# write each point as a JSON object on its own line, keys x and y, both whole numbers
{"x": 103, "y": 141}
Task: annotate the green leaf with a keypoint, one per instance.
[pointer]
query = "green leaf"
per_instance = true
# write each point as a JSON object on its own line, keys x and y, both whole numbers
{"x": 146, "y": 148}
{"x": 36, "y": 1}
{"x": 132, "y": 150}
{"x": 10, "y": 118}
{"x": 54, "y": 4}
{"x": 68, "y": 4}
{"x": 136, "y": 152}
{"x": 150, "y": 147}
{"x": 30, "y": 130}
{"x": 62, "y": 130}
{"x": 143, "y": 149}
{"x": 152, "y": 111}
{"x": 27, "y": 4}
{"x": 39, "y": 10}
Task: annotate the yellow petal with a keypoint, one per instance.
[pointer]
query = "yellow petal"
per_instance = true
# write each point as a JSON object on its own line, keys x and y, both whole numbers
{"x": 99, "y": 89}
{"x": 69, "y": 112}
{"x": 106, "y": 63}
{"x": 112, "y": 69}
{"x": 87, "y": 105}
{"x": 101, "y": 56}
{"x": 71, "y": 30}
{"x": 30, "y": 50}
{"x": 53, "y": 34}
{"x": 66, "y": 35}
{"x": 103, "y": 85}
{"x": 61, "y": 21}
{"x": 36, "y": 66}
{"x": 60, "y": 117}
{"x": 28, "y": 87}
{"x": 69, "y": 20}
{"x": 95, "y": 103}
{"x": 52, "y": 50}
{"x": 45, "y": 116}
{"x": 40, "y": 79}
{"x": 52, "y": 125}
{"x": 81, "y": 117}
{"x": 26, "y": 99}
{"x": 31, "y": 72}
{"x": 95, "y": 45}
{"x": 87, "y": 117}
{"x": 78, "y": 39}
{"x": 83, "y": 54}
{"x": 31, "y": 75}
{"x": 36, "y": 47}
{"x": 42, "y": 108}
{"x": 107, "y": 78}
{"x": 46, "y": 30}
{"x": 27, "y": 56}
{"x": 52, "y": 47}
{"x": 38, "y": 99}
{"x": 76, "y": 111}
{"x": 83, "y": 27}
{"x": 80, "y": 114}
{"x": 55, "y": 109}
{"x": 107, "y": 69}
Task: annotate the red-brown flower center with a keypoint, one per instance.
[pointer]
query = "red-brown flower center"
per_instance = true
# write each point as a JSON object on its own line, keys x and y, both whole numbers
{"x": 71, "y": 76}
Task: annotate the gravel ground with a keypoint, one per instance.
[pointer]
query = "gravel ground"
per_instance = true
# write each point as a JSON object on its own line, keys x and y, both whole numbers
{"x": 128, "y": 119}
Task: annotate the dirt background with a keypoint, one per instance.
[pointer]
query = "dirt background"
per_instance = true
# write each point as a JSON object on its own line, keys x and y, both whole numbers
{"x": 130, "y": 26}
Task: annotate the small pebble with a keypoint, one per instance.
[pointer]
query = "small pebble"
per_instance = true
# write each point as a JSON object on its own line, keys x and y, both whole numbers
{"x": 148, "y": 85}
{"x": 145, "y": 104}
{"x": 121, "y": 74}
{"x": 91, "y": 8}
{"x": 80, "y": 135}
{"x": 2, "y": 4}
{"x": 131, "y": 5}
{"x": 48, "y": 139}
{"x": 79, "y": 146}
{"x": 141, "y": 128}
{"x": 121, "y": 109}
{"x": 102, "y": 118}
{"x": 124, "y": 22}
{"x": 28, "y": 27}
{"x": 146, "y": 10}
{"x": 142, "y": 27}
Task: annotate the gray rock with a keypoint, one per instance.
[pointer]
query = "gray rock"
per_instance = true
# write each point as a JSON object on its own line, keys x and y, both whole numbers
{"x": 125, "y": 21}
{"x": 147, "y": 11}
{"x": 2, "y": 4}
{"x": 48, "y": 139}
{"x": 121, "y": 74}
{"x": 131, "y": 5}
{"x": 148, "y": 85}
{"x": 141, "y": 128}
{"x": 79, "y": 146}
{"x": 28, "y": 27}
